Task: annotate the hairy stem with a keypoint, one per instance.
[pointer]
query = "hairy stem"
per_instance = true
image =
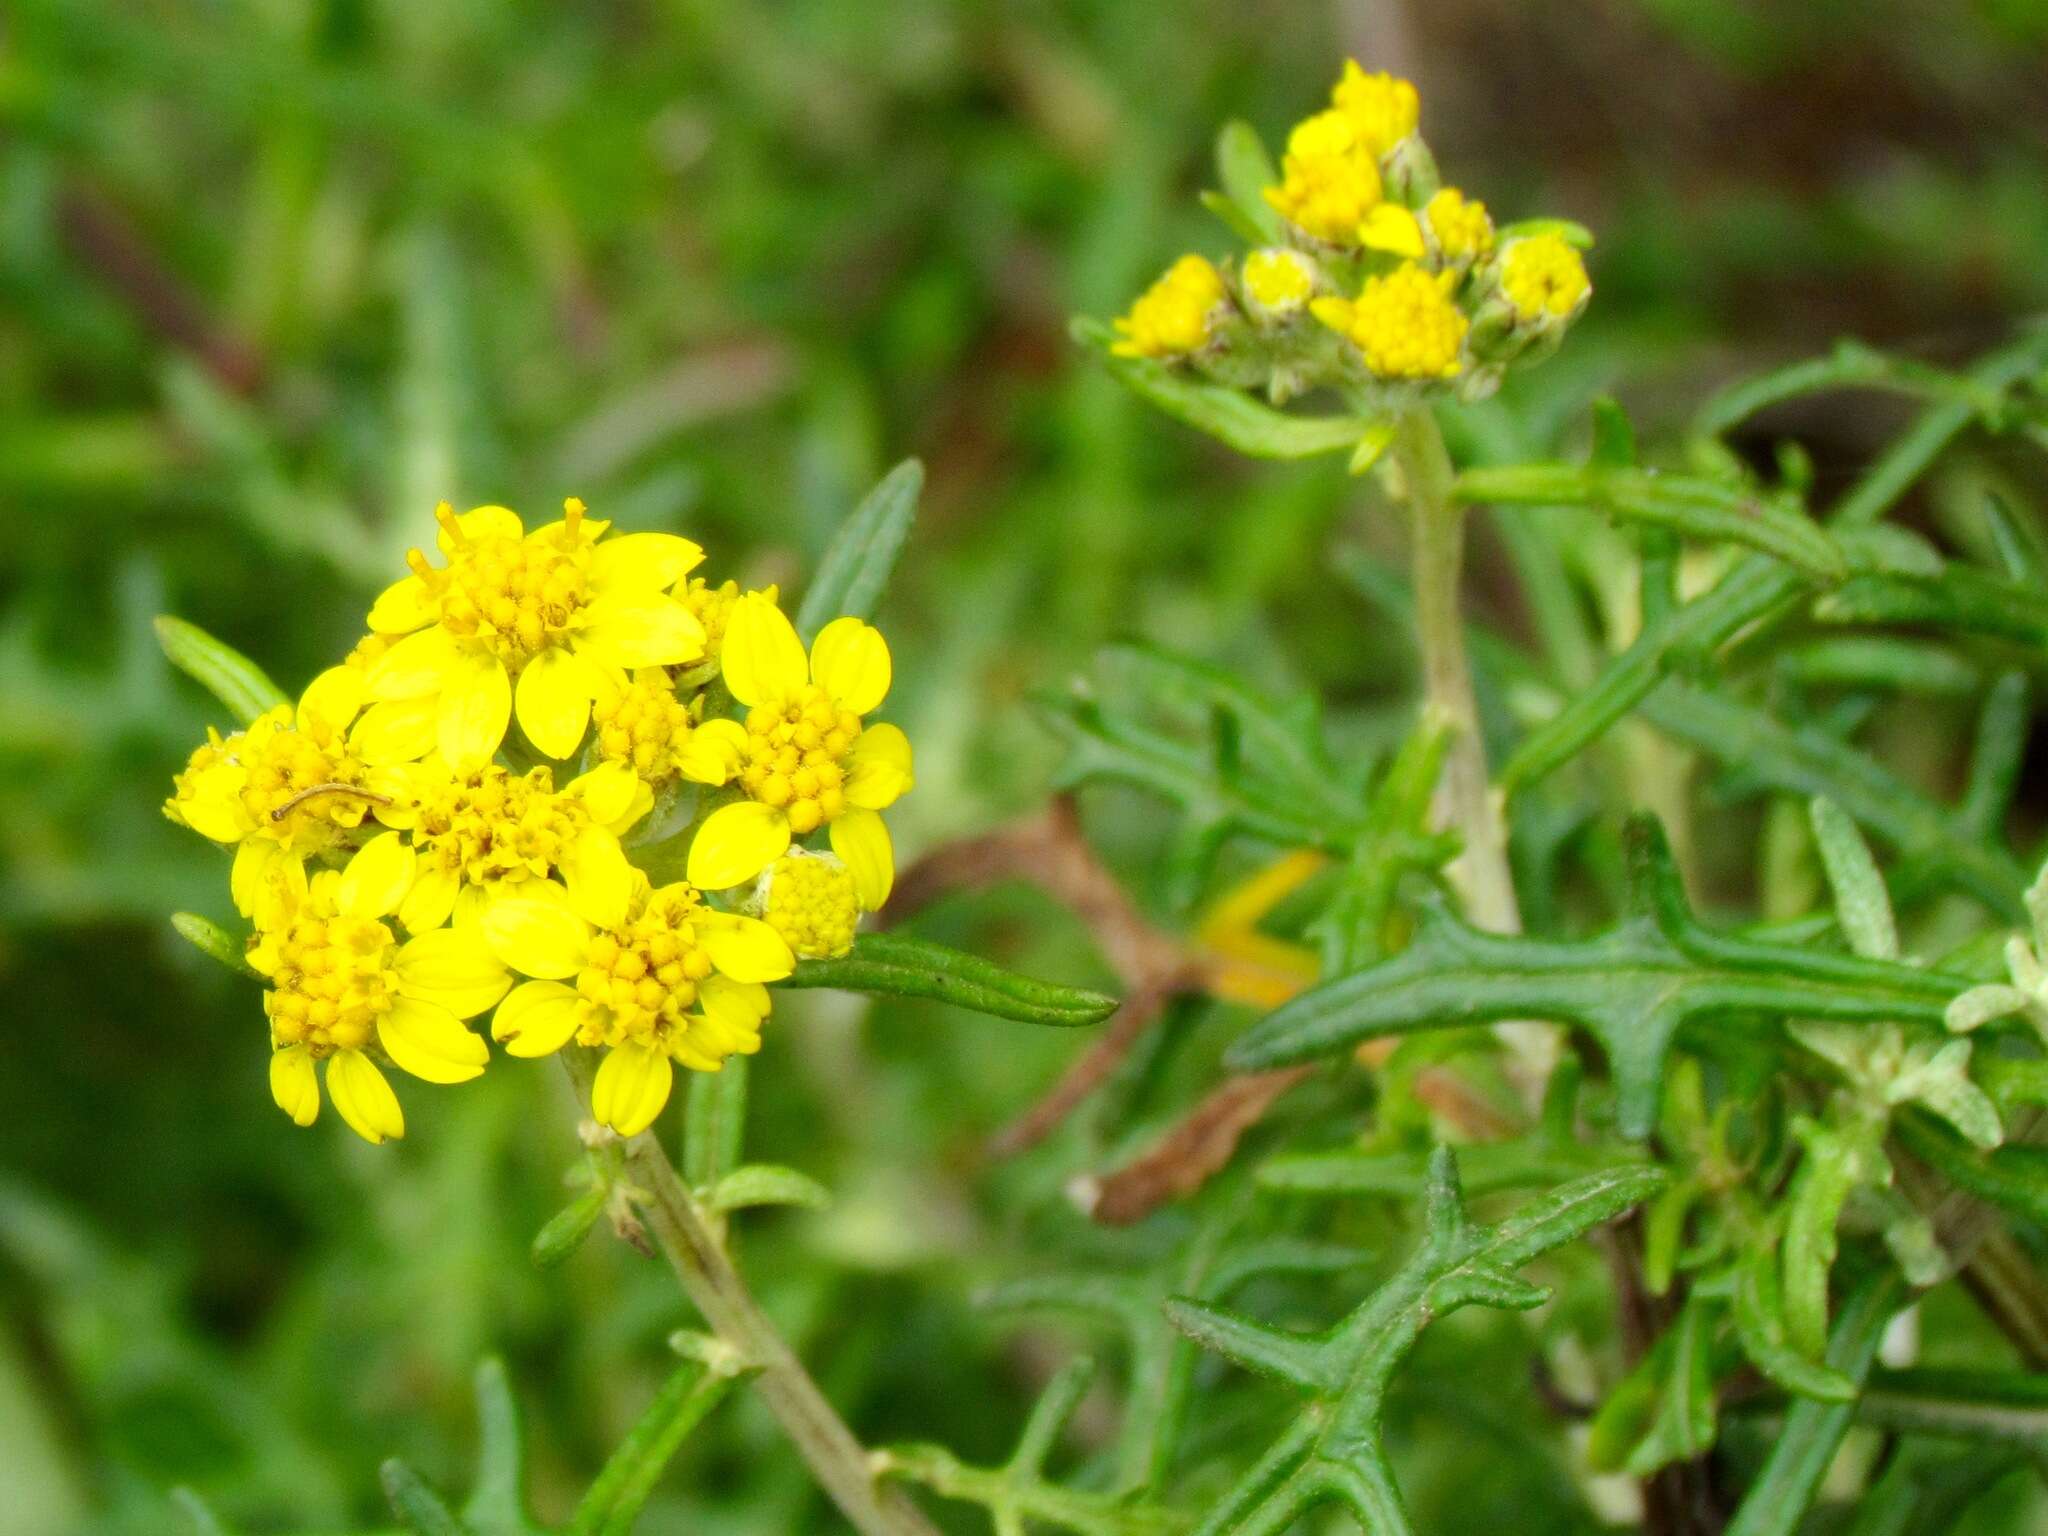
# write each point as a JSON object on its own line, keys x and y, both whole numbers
{"x": 1466, "y": 803}
{"x": 682, "y": 1231}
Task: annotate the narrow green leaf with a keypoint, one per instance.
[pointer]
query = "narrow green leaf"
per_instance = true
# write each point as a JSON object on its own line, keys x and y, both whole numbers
{"x": 240, "y": 685}
{"x": 1229, "y": 415}
{"x": 566, "y": 1230}
{"x": 1997, "y": 1407}
{"x": 767, "y": 1184}
{"x": 497, "y": 1500}
{"x": 215, "y": 942}
{"x": 1287, "y": 1357}
{"x": 1760, "y": 1328}
{"x": 855, "y": 570}
{"x": 416, "y": 1504}
{"x": 1862, "y": 904}
{"x": 628, "y": 1478}
{"x": 1233, "y": 217}
{"x": 892, "y": 965}
{"x": 1777, "y": 1500}
{"x": 715, "y": 1122}
{"x": 1245, "y": 169}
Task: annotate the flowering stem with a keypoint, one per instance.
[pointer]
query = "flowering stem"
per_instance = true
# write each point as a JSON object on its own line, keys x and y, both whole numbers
{"x": 1465, "y": 800}
{"x": 683, "y": 1232}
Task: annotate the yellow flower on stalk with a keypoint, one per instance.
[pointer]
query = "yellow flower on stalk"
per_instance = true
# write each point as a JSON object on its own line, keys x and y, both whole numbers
{"x": 286, "y": 788}
{"x": 1278, "y": 282}
{"x": 551, "y": 611}
{"x": 1329, "y": 178}
{"x": 1544, "y": 279}
{"x": 643, "y": 724}
{"x": 675, "y": 981}
{"x": 1460, "y": 226}
{"x": 489, "y": 833}
{"x": 1404, "y": 323}
{"x": 341, "y": 986}
{"x": 810, "y": 760}
{"x": 1176, "y": 315}
{"x": 812, "y": 901}
{"x": 1385, "y": 108}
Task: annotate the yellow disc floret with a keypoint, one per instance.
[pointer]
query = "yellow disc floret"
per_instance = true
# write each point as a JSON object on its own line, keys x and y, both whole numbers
{"x": 796, "y": 756}
{"x": 712, "y": 606}
{"x": 1404, "y": 323}
{"x": 1459, "y": 225}
{"x": 641, "y": 980}
{"x": 1384, "y": 107}
{"x": 1329, "y": 178}
{"x": 812, "y": 902}
{"x": 330, "y": 977}
{"x": 645, "y": 725}
{"x": 515, "y": 595}
{"x": 1278, "y": 282}
{"x": 1543, "y": 278}
{"x": 1176, "y": 315}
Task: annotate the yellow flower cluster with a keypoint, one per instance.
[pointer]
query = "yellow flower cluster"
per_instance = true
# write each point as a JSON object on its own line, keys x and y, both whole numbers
{"x": 405, "y": 861}
{"x": 1411, "y": 274}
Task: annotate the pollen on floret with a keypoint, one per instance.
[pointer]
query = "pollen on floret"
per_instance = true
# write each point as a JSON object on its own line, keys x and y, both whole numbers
{"x": 1404, "y": 323}
{"x": 495, "y": 825}
{"x": 796, "y": 756}
{"x": 1544, "y": 278}
{"x": 514, "y": 594}
{"x": 1385, "y": 107}
{"x": 1278, "y": 282}
{"x": 1460, "y": 226}
{"x": 1329, "y": 178}
{"x": 811, "y": 900}
{"x": 1176, "y": 315}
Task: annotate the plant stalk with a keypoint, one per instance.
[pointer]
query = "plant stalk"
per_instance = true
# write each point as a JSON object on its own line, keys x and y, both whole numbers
{"x": 681, "y": 1230}
{"x": 1465, "y": 800}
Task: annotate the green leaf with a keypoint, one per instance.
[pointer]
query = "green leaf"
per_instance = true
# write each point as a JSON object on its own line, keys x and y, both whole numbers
{"x": 1761, "y": 1330}
{"x": 222, "y": 670}
{"x": 892, "y": 965}
{"x": 1245, "y": 169}
{"x": 1862, "y": 904}
{"x": 1332, "y": 1450}
{"x": 1812, "y": 1433}
{"x": 1229, "y": 415}
{"x": 497, "y": 1500}
{"x": 1685, "y": 505}
{"x": 628, "y": 1477}
{"x": 855, "y": 571}
{"x": 1996, "y": 1407}
{"x": 1630, "y": 987}
{"x": 416, "y": 1504}
{"x": 215, "y": 942}
{"x": 1852, "y": 365}
{"x": 1663, "y": 1411}
{"x": 2013, "y": 1177}
{"x": 566, "y": 1230}
{"x": 766, "y": 1184}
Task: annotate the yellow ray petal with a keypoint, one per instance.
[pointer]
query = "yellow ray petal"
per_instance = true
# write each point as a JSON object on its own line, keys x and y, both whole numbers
{"x": 293, "y": 1084}
{"x": 631, "y": 627}
{"x": 476, "y": 706}
{"x": 537, "y": 1018}
{"x": 396, "y": 731}
{"x": 376, "y": 879}
{"x": 404, "y": 606}
{"x": 850, "y": 661}
{"x": 861, "y": 840}
{"x": 418, "y": 664}
{"x": 554, "y": 701}
{"x": 535, "y": 930}
{"x": 363, "y": 1099}
{"x": 486, "y": 522}
{"x": 762, "y": 659}
{"x": 608, "y": 791}
{"x": 714, "y": 751}
{"x": 879, "y": 770}
{"x": 655, "y": 561}
{"x": 430, "y": 1042}
{"x": 600, "y": 880}
{"x": 632, "y": 1086}
{"x": 736, "y": 843}
{"x": 432, "y": 898}
{"x": 452, "y": 968}
{"x": 330, "y": 701}
{"x": 745, "y": 948}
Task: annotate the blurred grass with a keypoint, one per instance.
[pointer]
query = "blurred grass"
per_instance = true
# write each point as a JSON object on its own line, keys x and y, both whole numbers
{"x": 275, "y": 278}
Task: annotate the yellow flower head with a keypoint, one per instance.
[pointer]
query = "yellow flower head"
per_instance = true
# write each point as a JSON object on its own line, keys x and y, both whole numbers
{"x": 553, "y": 610}
{"x": 1329, "y": 178}
{"x": 492, "y": 832}
{"x": 342, "y": 985}
{"x": 1459, "y": 225}
{"x": 1278, "y": 282}
{"x": 1544, "y": 279}
{"x": 1404, "y": 322}
{"x": 1384, "y": 108}
{"x": 288, "y": 787}
{"x": 811, "y": 900}
{"x": 674, "y": 981}
{"x": 643, "y": 724}
{"x": 712, "y": 606}
{"x": 810, "y": 760}
{"x": 1176, "y": 315}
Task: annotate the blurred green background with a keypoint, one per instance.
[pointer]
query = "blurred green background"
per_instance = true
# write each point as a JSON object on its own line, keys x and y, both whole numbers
{"x": 277, "y": 276}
